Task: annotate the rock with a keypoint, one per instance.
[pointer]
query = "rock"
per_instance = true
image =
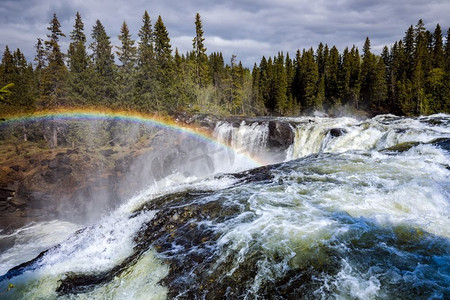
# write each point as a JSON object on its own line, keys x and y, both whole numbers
{"x": 17, "y": 203}
{"x": 72, "y": 151}
{"x": 15, "y": 168}
{"x": 107, "y": 152}
{"x": 280, "y": 135}
{"x": 45, "y": 162}
{"x": 443, "y": 143}
{"x": 337, "y": 132}
{"x": 6, "y": 194}
{"x": 402, "y": 147}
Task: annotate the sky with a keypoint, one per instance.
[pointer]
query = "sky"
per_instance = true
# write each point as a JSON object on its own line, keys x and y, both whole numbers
{"x": 248, "y": 29}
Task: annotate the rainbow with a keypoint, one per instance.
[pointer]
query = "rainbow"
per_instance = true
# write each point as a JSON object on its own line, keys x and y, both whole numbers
{"x": 126, "y": 116}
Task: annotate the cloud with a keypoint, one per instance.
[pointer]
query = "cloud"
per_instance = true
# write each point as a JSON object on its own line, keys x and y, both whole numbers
{"x": 249, "y": 29}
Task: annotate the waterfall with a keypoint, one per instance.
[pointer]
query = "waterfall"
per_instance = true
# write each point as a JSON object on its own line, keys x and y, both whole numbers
{"x": 359, "y": 210}
{"x": 250, "y": 138}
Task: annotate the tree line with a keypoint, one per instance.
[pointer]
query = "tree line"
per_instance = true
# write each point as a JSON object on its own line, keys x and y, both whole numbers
{"x": 412, "y": 77}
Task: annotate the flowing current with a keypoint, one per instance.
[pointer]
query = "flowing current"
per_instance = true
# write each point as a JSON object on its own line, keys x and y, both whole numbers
{"x": 352, "y": 210}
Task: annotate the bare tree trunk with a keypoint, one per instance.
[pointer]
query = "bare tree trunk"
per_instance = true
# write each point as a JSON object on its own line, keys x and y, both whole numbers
{"x": 54, "y": 136}
{"x": 24, "y": 130}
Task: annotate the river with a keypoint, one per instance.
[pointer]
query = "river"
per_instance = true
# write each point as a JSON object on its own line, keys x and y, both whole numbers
{"x": 351, "y": 210}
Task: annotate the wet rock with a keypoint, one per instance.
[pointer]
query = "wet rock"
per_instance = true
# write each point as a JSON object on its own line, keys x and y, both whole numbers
{"x": 337, "y": 132}
{"x": 280, "y": 135}
{"x": 443, "y": 143}
{"x": 6, "y": 194}
{"x": 402, "y": 147}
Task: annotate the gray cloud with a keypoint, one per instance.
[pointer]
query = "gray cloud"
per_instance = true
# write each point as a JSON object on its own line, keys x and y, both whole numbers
{"x": 248, "y": 29}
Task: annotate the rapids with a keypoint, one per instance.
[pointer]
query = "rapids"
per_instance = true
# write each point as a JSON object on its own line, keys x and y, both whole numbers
{"x": 353, "y": 210}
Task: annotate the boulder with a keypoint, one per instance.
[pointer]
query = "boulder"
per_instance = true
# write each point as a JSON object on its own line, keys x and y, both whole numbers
{"x": 281, "y": 135}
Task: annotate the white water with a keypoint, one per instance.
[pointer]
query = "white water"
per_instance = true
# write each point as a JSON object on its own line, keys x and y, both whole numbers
{"x": 312, "y": 135}
{"x": 381, "y": 218}
{"x": 250, "y": 138}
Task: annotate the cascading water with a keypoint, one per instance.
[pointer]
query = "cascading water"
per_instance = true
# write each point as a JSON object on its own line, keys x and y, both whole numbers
{"x": 360, "y": 210}
{"x": 251, "y": 138}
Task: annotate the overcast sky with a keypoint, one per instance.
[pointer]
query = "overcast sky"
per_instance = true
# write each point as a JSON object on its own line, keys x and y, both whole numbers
{"x": 246, "y": 28}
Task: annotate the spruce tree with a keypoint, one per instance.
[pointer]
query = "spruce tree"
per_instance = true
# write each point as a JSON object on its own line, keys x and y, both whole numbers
{"x": 438, "y": 48}
{"x": 280, "y": 85}
{"x": 331, "y": 79}
{"x": 127, "y": 56}
{"x": 104, "y": 68}
{"x": 310, "y": 78}
{"x": 420, "y": 69}
{"x": 54, "y": 75}
{"x": 145, "y": 77}
{"x": 127, "y": 51}
{"x": 78, "y": 61}
{"x": 201, "y": 59}
{"x": 368, "y": 73}
{"x": 165, "y": 97}
{"x": 77, "y": 55}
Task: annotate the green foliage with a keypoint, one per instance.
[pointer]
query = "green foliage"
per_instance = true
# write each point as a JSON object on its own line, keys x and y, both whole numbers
{"x": 103, "y": 79}
{"x": 411, "y": 77}
{"x": 4, "y": 92}
{"x": 201, "y": 59}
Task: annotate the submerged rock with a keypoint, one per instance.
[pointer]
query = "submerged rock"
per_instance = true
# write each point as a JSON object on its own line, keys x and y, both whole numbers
{"x": 337, "y": 132}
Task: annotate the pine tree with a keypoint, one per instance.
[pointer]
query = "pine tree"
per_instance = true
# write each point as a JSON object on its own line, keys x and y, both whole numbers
{"x": 145, "y": 77}
{"x": 331, "y": 79}
{"x": 408, "y": 46}
{"x": 310, "y": 79}
{"x": 103, "y": 64}
{"x": 78, "y": 62}
{"x": 127, "y": 56}
{"x": 127, "y": 51}
{"x": 77, "y": 55}
{"x": 446, "y": 105}
{"x": 54, "y": 76}
{"x": 165, "y": 98}
{"x": 421, "y": 67}
{"x": 201, "y": 59}
{"x": 145, "y": 49}
{"x": 355, "y": 76}
{"x": 368, "y": 74}
{"x": 54, "y": 54}
{"x": 236, "y": 93}
{"x": 280, "y": 85}
{"x": 438, "y": 48}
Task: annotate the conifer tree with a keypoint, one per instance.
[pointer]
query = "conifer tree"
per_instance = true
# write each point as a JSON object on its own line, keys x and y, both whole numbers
{"x": 236, "y": 94}
{"x": 54, "y": 75}
{"x": 310, "y": 80}
{"x": 280, "y": 85}
{"x": 78, "y": 62}
{"x": 201, "y": 59}
{"x": 438, "y": 48}
{"x": 368, "y": 74}
{"x": 40, "y": 62}
{"x": 165, "y": 98}
{"x": 127, "y": 56}
{"x": 77, "y": 55}
{"x": 331, "y": 79}
{"x": 420, "y": 69}
{"x": 104, "y": 69}
{"x": 127, "y": 51}
{"x": 145, "y": 77}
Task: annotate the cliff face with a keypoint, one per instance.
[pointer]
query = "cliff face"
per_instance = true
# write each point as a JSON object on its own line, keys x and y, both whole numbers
{"x": 83, "y": 183}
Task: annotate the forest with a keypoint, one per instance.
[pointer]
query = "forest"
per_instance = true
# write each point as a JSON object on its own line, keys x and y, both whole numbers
{"x": 411, "y": 77}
